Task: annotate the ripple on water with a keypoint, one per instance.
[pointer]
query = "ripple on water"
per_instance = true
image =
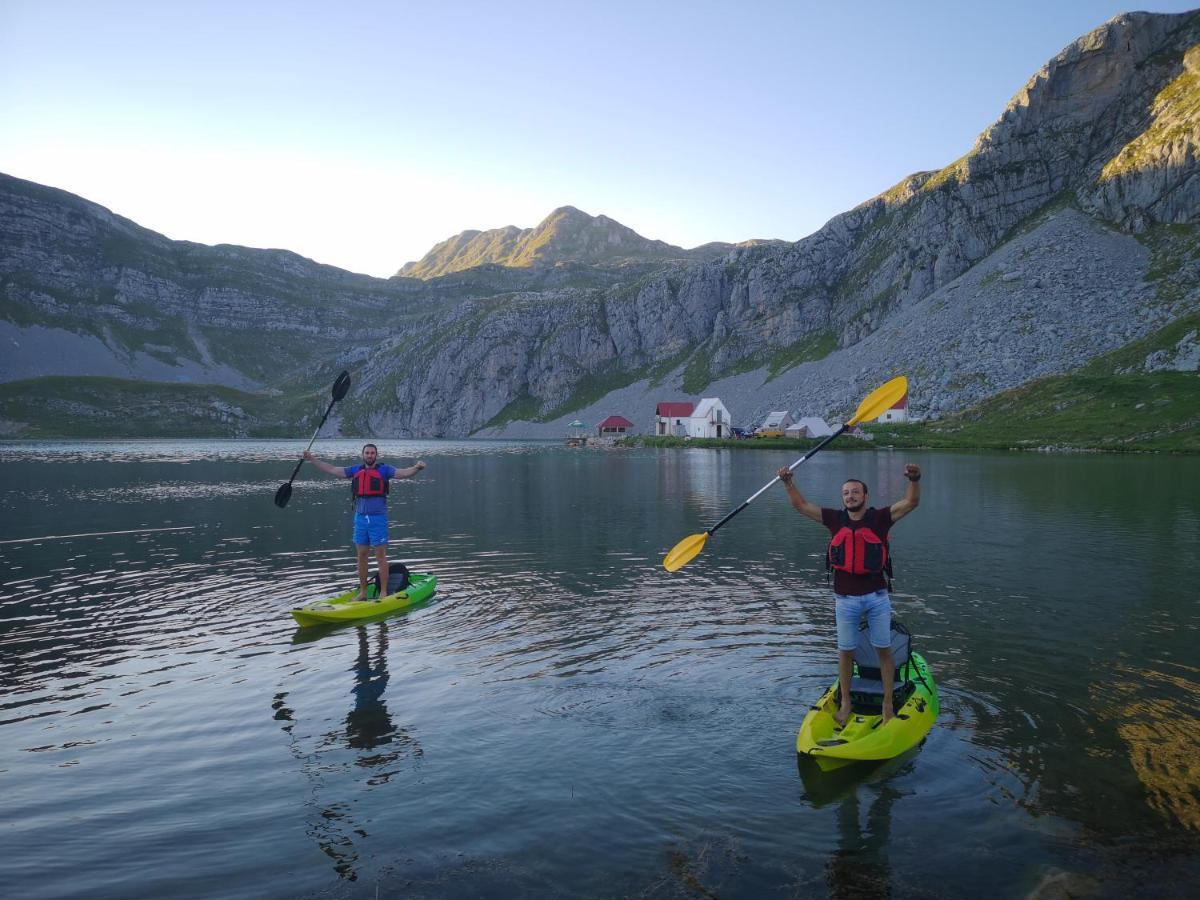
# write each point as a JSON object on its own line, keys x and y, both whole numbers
{"x": 562, "y": 690}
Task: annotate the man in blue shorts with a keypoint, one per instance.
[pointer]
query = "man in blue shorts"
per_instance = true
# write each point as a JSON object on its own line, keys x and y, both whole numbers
{"x": 858, "y": 556}
{"x": 369, "y": 482}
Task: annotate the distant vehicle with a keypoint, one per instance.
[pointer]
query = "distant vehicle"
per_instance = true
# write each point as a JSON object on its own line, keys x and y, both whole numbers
{"x": 740, "y": 433}
{"x": 769, "y": 433}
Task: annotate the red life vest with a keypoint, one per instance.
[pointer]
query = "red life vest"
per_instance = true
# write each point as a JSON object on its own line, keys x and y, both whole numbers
{"x": 368, "y": 483}
{"x": 858, "y": 550}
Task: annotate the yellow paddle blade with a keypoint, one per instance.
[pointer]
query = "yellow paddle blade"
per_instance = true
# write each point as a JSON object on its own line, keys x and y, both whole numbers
{"x": 685, "y": 551}
{"x": 880, "y": 400}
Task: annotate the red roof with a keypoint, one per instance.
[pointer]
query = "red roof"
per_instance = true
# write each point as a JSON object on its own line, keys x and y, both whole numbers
{"x": 674, "y": 410}
{"x": 902, "y": 403}
{"x": 616, "y": 422}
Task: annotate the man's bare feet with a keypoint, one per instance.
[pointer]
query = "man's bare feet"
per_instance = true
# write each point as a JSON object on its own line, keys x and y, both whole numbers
{"x": 361, "y": 595}
{"x": 842, "y": 716}
{"x": 888, "y": 714}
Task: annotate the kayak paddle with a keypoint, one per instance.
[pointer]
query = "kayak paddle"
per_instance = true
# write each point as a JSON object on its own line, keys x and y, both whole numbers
{"x": 340, "y": 387}
{"x": 874, "y": 405}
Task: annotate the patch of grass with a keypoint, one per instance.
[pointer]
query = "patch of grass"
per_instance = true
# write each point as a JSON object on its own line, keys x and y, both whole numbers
{"x": 84, "y": 407}
{"x": 1174, "y": 112}
{"x": 795, "y": 444}
{"x": 698, "y": 375}
{"x": 724, "y": 443}
{"x": 524, "y": 408}
{"x": 1131, "y": 357}
{"x": 1064, "y": 199}
{"x": 810, "y": 349}
{"x": 1173, "y": 250}
{"x": 592, "y": 387}
{"x": 1158, "y": 412}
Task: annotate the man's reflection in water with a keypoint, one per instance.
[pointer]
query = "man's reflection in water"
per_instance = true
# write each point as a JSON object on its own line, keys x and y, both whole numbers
{"x": 368, "y": 724}
{"x": 859, "y": 866}
{"x": 368, "y": 727}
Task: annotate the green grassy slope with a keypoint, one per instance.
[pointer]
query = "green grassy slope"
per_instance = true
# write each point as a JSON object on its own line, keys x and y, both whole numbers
{"x": 60, "y": 406}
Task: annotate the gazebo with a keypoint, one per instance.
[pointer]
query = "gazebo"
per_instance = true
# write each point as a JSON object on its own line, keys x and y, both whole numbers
{"x": 576, "y": 436}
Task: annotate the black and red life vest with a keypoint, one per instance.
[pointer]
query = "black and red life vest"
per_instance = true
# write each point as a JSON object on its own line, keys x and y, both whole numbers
{"x": 857, "y": 548}
{"x": 368, "y": 483}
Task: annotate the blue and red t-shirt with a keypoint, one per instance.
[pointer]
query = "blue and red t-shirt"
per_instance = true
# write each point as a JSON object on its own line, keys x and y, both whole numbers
{"x": 371, "y": 506}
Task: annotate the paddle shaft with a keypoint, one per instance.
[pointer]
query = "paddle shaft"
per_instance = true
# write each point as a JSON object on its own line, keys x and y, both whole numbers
{"x": 770, "y": 484}
{"x": 296, "y": 470}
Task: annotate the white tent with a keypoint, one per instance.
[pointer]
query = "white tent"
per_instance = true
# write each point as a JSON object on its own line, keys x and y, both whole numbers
{"x": 779, "y": 419}
{"x": 809, "y": 426}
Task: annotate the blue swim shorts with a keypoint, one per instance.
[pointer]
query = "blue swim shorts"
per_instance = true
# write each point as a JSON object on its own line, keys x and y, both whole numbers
{"x": 370, "y": 531}
{"x": 849, "y": 611}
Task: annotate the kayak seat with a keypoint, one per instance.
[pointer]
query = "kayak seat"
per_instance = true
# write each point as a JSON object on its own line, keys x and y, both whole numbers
{"x": 866, "y": 695}
{"x": 397, "y": 579}
{"x": 866, "y": 688}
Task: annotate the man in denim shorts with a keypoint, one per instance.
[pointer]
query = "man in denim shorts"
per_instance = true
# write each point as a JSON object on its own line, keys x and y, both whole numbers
{"x": 370, "y": 509}
{"x": 857, "y": 553}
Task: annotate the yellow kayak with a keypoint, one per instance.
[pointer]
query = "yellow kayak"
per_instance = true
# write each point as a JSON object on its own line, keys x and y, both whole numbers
{"x": 865, "y": 737}
{"x": 344, "y": 608}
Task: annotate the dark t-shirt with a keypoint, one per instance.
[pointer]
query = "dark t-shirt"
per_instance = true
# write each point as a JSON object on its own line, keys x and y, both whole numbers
{"x": 845, "y": 583}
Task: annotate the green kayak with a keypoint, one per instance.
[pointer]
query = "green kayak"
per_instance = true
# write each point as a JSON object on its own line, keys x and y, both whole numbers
{"x": 345, "y": 608}
{"x": 864, "y": 737}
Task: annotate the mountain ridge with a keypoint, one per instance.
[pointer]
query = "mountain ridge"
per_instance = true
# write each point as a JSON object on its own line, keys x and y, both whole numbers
{"x": 945, "y": 276}
{"x": 567, "y": 234}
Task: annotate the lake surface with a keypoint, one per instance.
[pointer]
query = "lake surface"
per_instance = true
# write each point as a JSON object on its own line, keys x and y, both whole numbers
{"x": 566, "y": 718}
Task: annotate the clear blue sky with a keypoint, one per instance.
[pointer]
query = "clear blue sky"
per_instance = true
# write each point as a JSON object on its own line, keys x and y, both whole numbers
{"x": 362, "y": 135}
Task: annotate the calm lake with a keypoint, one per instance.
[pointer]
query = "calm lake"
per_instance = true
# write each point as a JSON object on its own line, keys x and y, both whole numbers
{"x": 565, "y": 718}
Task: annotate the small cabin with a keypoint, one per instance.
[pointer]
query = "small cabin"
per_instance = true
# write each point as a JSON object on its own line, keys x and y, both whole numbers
{"x": 615, "y": 426}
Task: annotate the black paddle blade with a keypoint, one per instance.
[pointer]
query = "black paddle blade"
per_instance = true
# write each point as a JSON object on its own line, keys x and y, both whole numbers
{"x": 341, "y": 386}
{"x": 283, "y": 495}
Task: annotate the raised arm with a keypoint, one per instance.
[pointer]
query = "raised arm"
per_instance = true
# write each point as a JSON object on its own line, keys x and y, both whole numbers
{"x": 912, "y": 496}
{"x": 335, "y": 471}
{"x": 410, "y": 471}
{"x": 798, "y": 502}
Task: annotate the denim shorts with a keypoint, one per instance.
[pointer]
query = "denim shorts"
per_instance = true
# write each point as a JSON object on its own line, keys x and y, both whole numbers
{"x": 370, "y": 531}
{"x": 850, "y": 610}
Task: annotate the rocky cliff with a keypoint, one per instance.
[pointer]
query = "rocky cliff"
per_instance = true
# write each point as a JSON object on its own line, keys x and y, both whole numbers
{"x": 1069, "y": 230}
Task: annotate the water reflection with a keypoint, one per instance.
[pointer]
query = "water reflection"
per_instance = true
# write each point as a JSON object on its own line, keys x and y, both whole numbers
{"x": 859, "y": 867}
{"x": 1155, "y": 714}
{"x": 140, "y": 647}
{"x": 337, "y": 779}
{"x": 184, "y": 451}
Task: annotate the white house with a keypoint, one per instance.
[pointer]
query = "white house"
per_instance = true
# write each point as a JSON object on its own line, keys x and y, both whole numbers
{"x": 777, "y": 421}
{"x": 809, "y": 426}
{"x": 710, "y": 419}
{"x": 898, "y": 413}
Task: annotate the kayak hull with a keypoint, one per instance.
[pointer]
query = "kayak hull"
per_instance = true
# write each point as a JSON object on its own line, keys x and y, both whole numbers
{"x": 344, "y": 608}
{"x": 865, "y": 737}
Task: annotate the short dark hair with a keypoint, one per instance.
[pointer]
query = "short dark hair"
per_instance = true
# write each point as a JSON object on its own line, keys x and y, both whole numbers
{"x": 365, "y": 446}
{"x": 857, "y": 481}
